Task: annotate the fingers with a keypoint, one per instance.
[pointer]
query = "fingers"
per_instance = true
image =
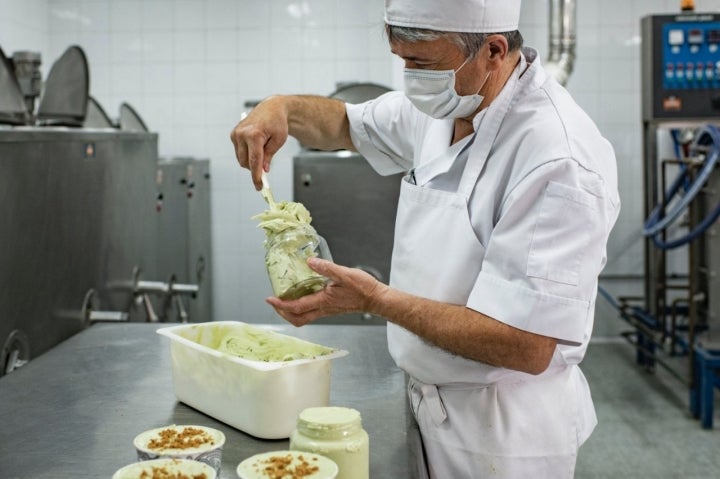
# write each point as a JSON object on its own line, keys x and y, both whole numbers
{"x": 257, "y": 160}
{"x": 296, "y": 312}
{"x": 258, "y": 137}
{"x": 325, "y": 268}
{"x": 240, "y": 148}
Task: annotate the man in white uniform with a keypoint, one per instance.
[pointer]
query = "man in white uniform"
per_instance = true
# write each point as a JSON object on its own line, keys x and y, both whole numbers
{"x": 502, "y": 224}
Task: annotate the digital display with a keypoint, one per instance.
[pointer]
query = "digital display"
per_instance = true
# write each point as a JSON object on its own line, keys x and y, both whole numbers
{"x": 676, "y": 37}
{"x": 695, "y": 36}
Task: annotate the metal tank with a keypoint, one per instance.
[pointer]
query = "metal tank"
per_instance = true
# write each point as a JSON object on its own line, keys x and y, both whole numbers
{"x": 352, "y": 206}
{"x": 78, "y": 210}
{"x": 185, "y": 235}
{"x": 79, "y": 205}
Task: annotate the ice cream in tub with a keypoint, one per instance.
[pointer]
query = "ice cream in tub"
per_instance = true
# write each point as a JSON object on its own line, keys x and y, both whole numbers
{"x": 249, "y": 377}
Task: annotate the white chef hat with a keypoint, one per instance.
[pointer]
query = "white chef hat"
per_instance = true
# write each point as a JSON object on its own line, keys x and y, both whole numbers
{"x": 473, "y": 16}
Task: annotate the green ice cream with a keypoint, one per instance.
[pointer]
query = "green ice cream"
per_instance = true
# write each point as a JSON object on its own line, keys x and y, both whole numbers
{"x": 285, "y": 215}
{"x": 260, "y": 345}
{"x": 290, "y": 241}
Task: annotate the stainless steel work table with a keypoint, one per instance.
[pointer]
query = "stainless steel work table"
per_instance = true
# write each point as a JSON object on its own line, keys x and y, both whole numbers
{"x": 74, "y": 411}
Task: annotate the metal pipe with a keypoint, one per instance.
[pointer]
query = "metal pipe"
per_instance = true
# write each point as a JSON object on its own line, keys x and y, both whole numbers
{"x": 154, "y": 287}
{"x": 651, "y": 353}
{"x": 561, "y": 58}
{"x": 184, "y": 288}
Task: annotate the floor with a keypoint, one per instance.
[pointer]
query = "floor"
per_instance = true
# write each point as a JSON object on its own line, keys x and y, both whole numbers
{"x": 645, "y": 429}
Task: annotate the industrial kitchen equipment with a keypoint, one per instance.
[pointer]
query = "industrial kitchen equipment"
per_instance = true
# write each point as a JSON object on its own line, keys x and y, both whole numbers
{"x": 677, "y": 323}
{"x": 85, "y": 223}
{"x": 185, "y": 234}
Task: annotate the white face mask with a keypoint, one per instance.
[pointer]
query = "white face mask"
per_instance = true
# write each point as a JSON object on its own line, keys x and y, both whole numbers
{"x": 433, "y": 93}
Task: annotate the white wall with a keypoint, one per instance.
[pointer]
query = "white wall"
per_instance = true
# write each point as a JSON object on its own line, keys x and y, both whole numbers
{"x": 23, "y": 25}
{"x": 188, "y": 66}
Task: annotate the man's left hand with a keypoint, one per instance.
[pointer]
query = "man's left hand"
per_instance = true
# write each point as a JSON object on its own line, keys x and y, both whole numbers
{"x": 348, "y": 290}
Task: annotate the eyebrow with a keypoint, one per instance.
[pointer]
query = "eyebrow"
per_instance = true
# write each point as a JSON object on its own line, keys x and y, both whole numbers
{"x": 411, "y": 58}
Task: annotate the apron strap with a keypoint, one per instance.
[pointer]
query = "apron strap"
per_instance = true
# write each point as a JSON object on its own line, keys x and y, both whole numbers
{"x": 485, "y": 138}
{"x": 428, "y": 393}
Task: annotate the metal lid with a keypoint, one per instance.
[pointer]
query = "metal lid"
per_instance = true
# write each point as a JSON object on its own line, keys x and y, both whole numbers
{"x": 12, "y": 103}
{"x": 96, "y": 116}
{"x": 65, "y": 99}
{"x": 130, "y": 120}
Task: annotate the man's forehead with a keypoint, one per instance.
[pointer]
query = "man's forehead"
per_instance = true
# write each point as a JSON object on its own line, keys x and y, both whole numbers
{"x": 424, "y": 50}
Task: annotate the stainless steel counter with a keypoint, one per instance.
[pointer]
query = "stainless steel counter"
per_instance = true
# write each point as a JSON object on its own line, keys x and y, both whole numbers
{"x": 74, "y": 411}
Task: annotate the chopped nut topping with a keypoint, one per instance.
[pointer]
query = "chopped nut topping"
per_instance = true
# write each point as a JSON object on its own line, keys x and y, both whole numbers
{"x": 163, "y": 473}
{"x": 188, "y": 438}
{"x": 281, "y": 467}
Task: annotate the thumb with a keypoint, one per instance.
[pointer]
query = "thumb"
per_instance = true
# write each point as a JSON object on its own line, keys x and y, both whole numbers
{"x": 323, "y": 267}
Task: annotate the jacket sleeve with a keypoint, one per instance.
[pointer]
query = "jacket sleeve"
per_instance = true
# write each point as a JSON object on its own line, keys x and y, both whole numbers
{"x": 382, "y": 131}
{"x": 546, "y": 251}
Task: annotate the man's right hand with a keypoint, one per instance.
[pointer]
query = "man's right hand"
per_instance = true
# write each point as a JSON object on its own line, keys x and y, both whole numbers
{"x": 260, "y": 135}
{"x": 317, "y": 122}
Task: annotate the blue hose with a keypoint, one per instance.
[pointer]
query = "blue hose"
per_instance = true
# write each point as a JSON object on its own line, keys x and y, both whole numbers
{"x": 609, "y": 298}
{"x": 654, "y": 225}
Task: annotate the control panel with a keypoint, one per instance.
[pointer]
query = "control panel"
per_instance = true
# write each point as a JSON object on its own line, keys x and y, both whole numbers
{"x": 691, "y": 55}
{"x": 681, "y": 66}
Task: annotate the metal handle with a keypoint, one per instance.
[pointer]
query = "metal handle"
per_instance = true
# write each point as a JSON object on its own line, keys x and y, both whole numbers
{"x": 150, "y": 313}
{"x": 182, "y": 312}
{"x": 91, "y": 315}
{"x": 109, "y": 316}
{"x": 184, "y": 288}
{"x": 157, "y": 287}
{"x": 15, "y": 352}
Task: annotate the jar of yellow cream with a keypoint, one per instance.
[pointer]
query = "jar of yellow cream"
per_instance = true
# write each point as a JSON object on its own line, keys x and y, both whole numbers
{"x": 337, "y": 433}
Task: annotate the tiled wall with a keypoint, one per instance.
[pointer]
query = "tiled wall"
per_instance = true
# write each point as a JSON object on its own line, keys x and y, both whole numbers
{"x": 23, "y": 25}
{"x": 188, "y": 66}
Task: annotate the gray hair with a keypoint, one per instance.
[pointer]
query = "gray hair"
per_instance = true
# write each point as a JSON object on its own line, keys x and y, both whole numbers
{"x": 469, "y": 43}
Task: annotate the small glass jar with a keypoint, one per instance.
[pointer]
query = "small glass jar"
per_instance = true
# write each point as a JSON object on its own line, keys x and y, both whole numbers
{"x": 286, "y": 261}
{"x": 337, "y": 433}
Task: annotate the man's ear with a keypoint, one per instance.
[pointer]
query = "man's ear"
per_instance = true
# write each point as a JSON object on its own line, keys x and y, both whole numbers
{"x": 498, "y": 46}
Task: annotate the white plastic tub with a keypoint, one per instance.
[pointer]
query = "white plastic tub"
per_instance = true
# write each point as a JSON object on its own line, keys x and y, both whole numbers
{"x": 260, "y": 398}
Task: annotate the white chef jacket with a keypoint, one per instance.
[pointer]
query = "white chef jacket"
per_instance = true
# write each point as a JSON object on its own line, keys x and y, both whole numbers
{"x": 524, "y": 208}
{"x": 543, "y": 207}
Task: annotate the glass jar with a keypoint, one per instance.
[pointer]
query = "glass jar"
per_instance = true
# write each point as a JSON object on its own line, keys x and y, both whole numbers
{"x": 286, "y": 261}
{"x": 337, "y": 433}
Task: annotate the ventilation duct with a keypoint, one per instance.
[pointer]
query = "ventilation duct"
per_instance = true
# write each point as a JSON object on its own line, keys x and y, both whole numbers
{"x": 563, "y": 22}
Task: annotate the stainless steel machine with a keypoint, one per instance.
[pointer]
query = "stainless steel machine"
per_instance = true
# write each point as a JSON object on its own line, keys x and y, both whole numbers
{"x": 78, "y": 211}
{"x": 677, "y": 323}
{"x": 91, "y": 233}
{"x": 352, "y": 207}
{"x": 185, "y": 234}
